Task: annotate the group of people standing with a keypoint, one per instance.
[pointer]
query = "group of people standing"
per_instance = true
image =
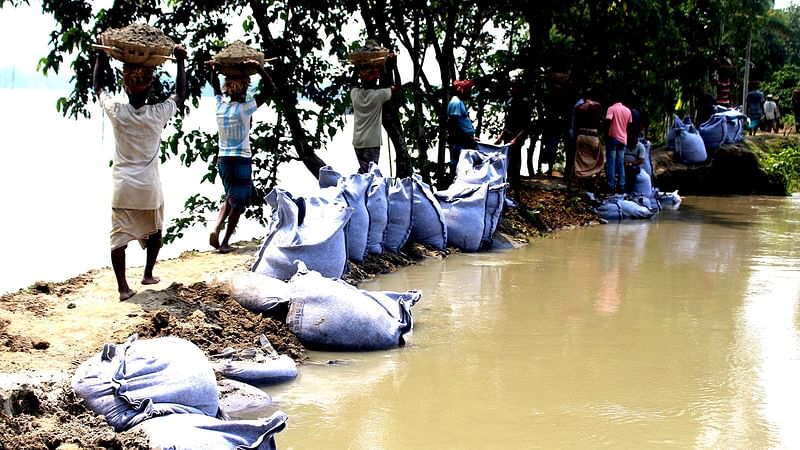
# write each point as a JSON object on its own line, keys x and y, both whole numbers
{"x": 623, "y": 125}
{"x": 763, "y": 112}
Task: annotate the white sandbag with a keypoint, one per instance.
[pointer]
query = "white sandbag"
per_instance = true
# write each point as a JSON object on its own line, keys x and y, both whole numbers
{"x": 428, "y": 224}
{"x": 398, "y": 228}
{"x": 132, "y": 382}
{"x": 471, "y": 213}
{"x": 255, "y": 292}
{"x": 197, "y": 432}
{"x": 330, "y": 314}
{"x": 313, "y": 234}
{"x": 378, "y": 209}
{"x": 476, "y": 167}
{"x": 354, "y": 188}
{"x": 669, "y": 200}
{"x": 689, "y": 146}
{"x": 258, "y": 373}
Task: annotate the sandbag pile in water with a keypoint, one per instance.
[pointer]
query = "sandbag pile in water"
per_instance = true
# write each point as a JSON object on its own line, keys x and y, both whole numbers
{"x": 472, "y": 205}
{"x": 167, "y": 388}
{"x": 330, "y": 314}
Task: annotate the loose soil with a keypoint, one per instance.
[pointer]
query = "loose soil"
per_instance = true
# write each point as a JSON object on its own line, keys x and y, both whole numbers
{"x": 56, "y": 326}
{"x": 140, "y": 35}
{"x": 237, "y": 52}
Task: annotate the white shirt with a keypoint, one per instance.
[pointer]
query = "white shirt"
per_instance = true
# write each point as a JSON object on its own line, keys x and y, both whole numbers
{"x": 367, "y": 109}
{"x": 770, "y": 110}
{"x": 137, "y": 132}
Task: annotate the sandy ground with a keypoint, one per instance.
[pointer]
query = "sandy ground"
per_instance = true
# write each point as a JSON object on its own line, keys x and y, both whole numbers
{"x": 55, "y": 326}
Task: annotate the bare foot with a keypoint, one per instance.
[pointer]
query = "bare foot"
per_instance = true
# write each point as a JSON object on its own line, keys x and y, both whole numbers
{"x": 124, "y": 295}
{"x": 225, "y": 249}
{"x": 150, "y": 280}
{"x": 213, "y": 239}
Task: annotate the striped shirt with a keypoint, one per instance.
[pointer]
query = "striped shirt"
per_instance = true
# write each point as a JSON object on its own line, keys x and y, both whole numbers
{"x": 233, "y": 120}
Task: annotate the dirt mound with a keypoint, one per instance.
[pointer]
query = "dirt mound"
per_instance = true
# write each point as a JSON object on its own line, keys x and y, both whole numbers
{"x": 51, "y": 417}
{"x": 209, "y": 317}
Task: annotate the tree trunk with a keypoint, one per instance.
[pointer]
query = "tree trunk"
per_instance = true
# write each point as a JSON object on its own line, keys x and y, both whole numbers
{"x": 285, "y": 96}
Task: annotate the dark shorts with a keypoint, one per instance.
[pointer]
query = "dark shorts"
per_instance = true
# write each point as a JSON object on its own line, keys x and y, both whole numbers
{"x": 236, "y": 175}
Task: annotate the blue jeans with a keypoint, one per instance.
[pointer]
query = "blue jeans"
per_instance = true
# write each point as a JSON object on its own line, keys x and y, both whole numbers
{"x": 615, "y": 164}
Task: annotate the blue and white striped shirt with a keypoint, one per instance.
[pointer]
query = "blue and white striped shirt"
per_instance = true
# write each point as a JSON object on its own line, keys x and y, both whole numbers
{"x": 233, "y": 120}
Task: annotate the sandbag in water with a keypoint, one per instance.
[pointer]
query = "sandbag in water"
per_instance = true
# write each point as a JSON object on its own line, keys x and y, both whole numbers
{"x": 256, "y": 292}
{"x": 354, "y": 187}
{"x": 197, "y": 432}
{"x": 398, "y": 227}
{"x": 330, "y": 314}
{"x": 314, "y": 235}
{"x": 258, "y": 373}
{"x": 378, "y": 209}
{"x": 130, "y": 383}
{"x": 428, "y": 225}
{"x": 471, "y": 213}
{"x": 617, "y": 207}
{"x": 669, "y": 200}
{"x": 237, "y": 399}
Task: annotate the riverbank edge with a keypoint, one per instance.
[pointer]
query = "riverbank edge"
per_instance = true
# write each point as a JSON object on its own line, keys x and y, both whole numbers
{"x": 39, "y": 409}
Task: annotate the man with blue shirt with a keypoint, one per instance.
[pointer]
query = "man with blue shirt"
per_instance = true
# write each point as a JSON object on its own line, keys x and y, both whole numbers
{"x": 460, "y": 132}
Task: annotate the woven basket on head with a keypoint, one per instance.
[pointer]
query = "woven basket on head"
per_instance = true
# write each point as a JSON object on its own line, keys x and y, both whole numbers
{"x": 138, "y": 44}
{"x": 369, "y": 58}
{"x": 230, "y": 60}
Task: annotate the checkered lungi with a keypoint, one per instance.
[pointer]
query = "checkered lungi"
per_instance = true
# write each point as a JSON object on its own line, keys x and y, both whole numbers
{"x": 236, "y": 174}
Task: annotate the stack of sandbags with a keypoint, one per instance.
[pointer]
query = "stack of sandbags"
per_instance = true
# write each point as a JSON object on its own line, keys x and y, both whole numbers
{"x": 137, "y": 44}
{"x": 230, "y": 59}
{"x": 473, "y": 203}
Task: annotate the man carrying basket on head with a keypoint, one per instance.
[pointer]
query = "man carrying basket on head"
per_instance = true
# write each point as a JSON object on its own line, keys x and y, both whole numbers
{"x": 368, "y": 100}
{"x": 235, "y": 163}
{"x": 137, "y": 202}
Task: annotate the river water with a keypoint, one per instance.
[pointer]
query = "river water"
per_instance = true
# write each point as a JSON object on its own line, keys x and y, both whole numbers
{"x": 679, "y": 332}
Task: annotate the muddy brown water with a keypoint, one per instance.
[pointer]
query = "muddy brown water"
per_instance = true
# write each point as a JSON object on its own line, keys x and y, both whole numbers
{"x": 681, "y": 332}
